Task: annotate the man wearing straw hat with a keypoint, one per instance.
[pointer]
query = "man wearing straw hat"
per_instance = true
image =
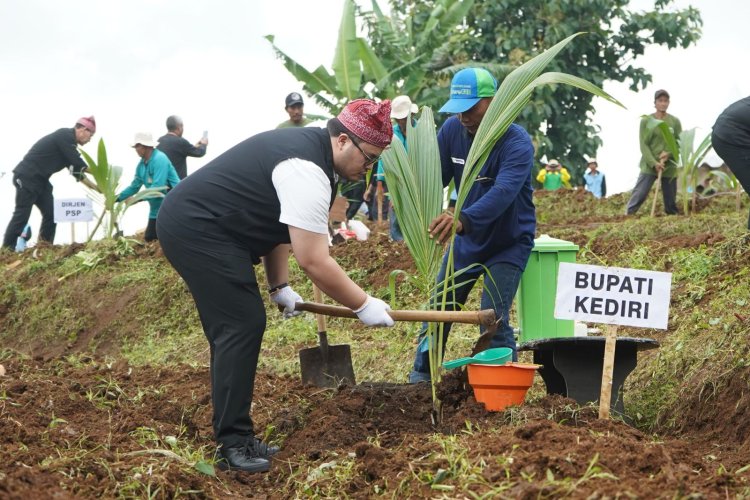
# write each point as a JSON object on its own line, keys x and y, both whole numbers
{"x": 50, "y": 154}
{"x": 401, "y": 108}
{"x": 153, "y": 171}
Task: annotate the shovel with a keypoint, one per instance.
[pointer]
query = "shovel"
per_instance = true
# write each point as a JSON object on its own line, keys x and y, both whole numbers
{"x": 484, "y": 317}
{"x": 326, "y": 365}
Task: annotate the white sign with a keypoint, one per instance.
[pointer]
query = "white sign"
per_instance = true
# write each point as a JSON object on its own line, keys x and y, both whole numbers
{"x": 74, "y": 210}
{"x": 613, "y": 295}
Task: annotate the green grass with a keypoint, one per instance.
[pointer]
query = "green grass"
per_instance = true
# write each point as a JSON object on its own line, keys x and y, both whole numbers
{"x": 157, "y": 322}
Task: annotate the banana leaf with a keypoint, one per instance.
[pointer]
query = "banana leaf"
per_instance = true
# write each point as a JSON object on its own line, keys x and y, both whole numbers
{"x": 666, "y": 131}
{"x": 316, "y": 81}
{"x": 346, "y": 61}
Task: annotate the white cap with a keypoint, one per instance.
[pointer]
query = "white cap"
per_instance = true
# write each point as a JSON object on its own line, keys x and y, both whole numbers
{"x": 144, "y": 139}
{"x": 401, "y": 106}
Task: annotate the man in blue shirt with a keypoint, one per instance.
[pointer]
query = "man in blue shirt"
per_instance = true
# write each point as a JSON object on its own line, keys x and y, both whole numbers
{"x": 497, "y": 222}
{"x": 595, "y": 181}
{"x": 153, "y": 171}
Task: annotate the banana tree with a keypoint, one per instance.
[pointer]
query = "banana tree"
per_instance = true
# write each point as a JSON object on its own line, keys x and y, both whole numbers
{"x": 107, "y": 178}
{"x": 353, "y": 64}
{"x": 397, "y": 64}
{"x": 511, "y": 98}
{"x": 690, "y": 160}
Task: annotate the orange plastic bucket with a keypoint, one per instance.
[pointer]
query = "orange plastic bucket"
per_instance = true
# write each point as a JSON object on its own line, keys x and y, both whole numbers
{"x": 499, "y": 386}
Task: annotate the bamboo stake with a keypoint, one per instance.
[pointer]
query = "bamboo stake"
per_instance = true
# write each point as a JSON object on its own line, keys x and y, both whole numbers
{"x": 608, "y": 368}
{"x": 656, "y": 193}
{"x": 379, "y": 195}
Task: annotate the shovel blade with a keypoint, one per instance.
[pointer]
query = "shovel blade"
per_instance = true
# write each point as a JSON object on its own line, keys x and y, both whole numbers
{"x": 328, "y": 371}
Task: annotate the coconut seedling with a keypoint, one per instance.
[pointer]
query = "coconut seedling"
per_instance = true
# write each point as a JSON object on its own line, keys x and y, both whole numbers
{"x": 107, "y": 178}
{"x": 415, "y": 179}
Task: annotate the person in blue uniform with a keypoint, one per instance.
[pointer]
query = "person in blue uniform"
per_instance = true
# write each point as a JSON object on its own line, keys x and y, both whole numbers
{"x": 497, "y": 223}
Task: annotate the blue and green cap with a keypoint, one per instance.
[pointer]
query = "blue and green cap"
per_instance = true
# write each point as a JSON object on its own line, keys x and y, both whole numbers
{"x": 467, "y": 88}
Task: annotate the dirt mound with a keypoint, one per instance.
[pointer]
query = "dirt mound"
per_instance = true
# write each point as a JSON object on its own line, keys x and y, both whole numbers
{"x": 377, "y": 257}
{"x": 97, "y": 430}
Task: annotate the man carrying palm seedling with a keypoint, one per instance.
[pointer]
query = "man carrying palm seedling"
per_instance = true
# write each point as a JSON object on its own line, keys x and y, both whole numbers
{"x": 250, "y": 204}
{"x": 495, "y": 232}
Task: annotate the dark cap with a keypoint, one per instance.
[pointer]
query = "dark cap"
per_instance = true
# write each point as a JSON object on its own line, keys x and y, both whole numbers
{"x": 661, "y": 92}
{"x": 294, "y": 98}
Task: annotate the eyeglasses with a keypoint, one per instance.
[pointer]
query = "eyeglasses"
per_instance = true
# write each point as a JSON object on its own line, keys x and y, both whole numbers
{"x": 369, "y": 160}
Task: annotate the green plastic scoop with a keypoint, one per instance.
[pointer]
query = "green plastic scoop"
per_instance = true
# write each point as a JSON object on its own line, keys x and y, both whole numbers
{"x": 495, "y": 356}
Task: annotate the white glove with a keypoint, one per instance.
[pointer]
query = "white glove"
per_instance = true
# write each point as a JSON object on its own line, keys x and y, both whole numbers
{"x": 373, "y": 313}
{"x": 286, "y": 298}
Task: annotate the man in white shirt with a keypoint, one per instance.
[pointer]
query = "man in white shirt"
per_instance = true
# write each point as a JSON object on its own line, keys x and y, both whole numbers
{"x": 265, "y": 196}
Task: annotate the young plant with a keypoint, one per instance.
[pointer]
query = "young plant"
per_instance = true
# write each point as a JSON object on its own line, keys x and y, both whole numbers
{"x": 689, "y": 162}
{"x": 415, "y": 181}
{"x": 512, "y": 96}
{"x": 107, "y": 178}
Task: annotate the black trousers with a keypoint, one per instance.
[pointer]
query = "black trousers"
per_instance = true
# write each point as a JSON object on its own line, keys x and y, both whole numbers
{"x": 150, "y": 231}
{"x": 29, "y": 194}
{"x": 737, "y": 159}
{"x": 354, "y": 192}
{"x": 642, "y": 188}
{"x": 231, "y": 310}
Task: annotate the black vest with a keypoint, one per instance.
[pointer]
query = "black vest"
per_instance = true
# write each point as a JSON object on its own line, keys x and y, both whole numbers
{"x": 234, "y": 194}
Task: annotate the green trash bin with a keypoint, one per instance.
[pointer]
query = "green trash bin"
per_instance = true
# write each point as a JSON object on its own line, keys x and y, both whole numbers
{"x": 536, "y": 293}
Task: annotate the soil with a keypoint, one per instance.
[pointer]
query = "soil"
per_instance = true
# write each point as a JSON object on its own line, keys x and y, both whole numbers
{"x": 385, "y": 427}
{"x": 377, "y": 258}
{"x": 113, "y": 418}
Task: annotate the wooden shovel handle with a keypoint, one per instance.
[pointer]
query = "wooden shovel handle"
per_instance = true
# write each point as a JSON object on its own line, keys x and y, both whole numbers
{"x": 484, "y": 317}
{"x": 319, "y": 317}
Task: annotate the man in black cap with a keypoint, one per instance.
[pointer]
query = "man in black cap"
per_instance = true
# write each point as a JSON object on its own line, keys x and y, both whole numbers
{"x": 655, "y": 159}
{"x": 295, "y": 107}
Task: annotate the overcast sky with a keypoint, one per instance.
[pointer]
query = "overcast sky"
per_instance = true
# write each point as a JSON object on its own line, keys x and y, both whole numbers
{"x": 132, "y": 63}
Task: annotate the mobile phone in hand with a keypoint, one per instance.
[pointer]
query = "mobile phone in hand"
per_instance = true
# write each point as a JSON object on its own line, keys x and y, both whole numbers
{"x": 205, "y": 134}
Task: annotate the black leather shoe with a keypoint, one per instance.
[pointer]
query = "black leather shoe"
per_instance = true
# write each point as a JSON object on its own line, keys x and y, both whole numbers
{"x": 242, "y": 458}
{"x": 263, "y": 449}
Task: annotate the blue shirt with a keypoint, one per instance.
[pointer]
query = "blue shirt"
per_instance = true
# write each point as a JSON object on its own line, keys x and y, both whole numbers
{"x": 594, "y": 183}
{"x": 498, "y": 216}
{"x": 156, "y": 172}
